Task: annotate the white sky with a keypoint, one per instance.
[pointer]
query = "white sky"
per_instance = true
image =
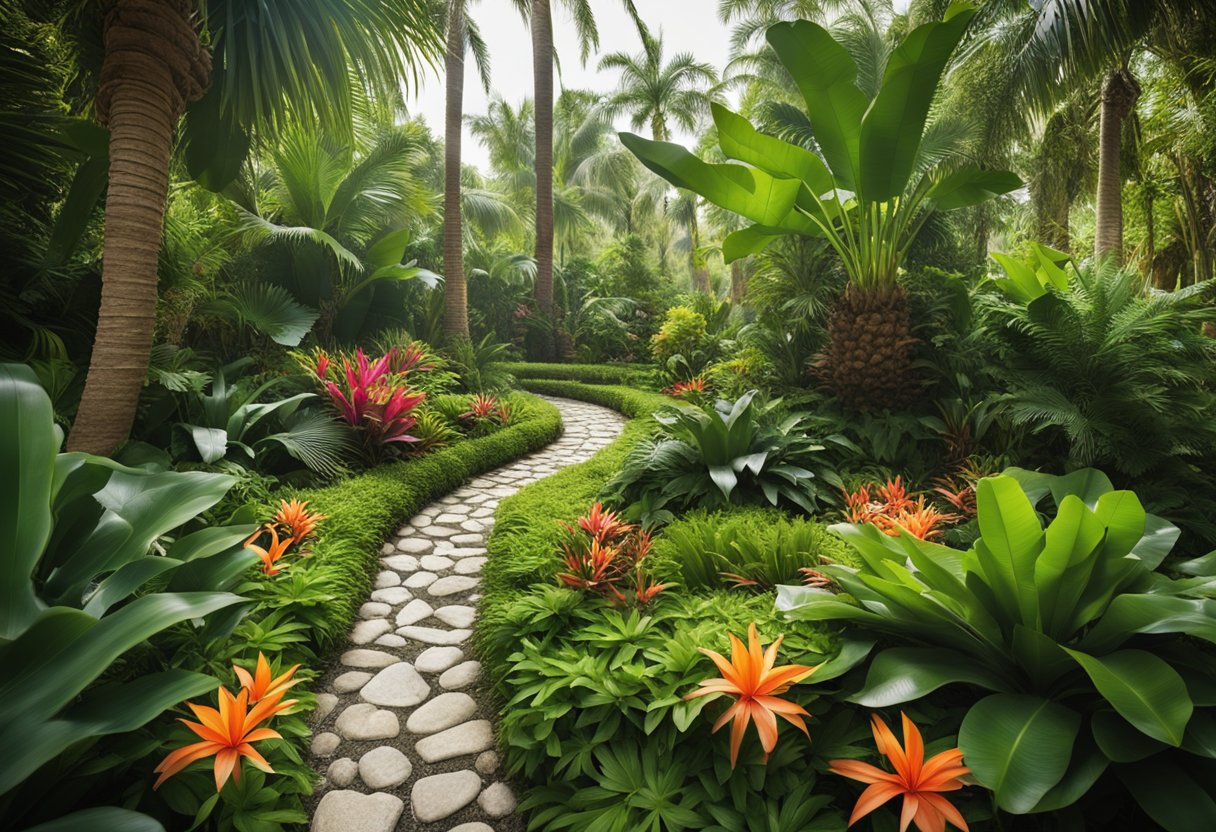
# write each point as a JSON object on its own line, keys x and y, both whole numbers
{"x": 687, "y": 26}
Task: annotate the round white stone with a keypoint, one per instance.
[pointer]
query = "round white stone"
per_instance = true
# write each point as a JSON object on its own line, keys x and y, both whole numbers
{"x": 431, "y": 635}
{"x": 374, "y": 609}
{"x": 351, "y": 681}
{"x": 384, "y": 767}
{"x": 420, "y": 579}
{"x": 470, "y": 566}
{"x": 437, "y": 659}
{"x": 390, "y": 640}
{"x": 325, "y": 704}
{"x": 456, "y": 615}
{"x": 460, "y": 676}
{"x": 342, "y": 772}
{"x": 413, "y": 545}
{"x": 497, "y": 800}
{"x": 439, "y": 531}
{"x": 325, "y": 743}
{"x": 413, "y": 612}
{"x": 451, "y": 585}
{"x": 393, "y": 596}
{"x": 350, "y": 811}
{"x": 387, "y": 578}
{"x": 401, "y": 563}
{"x": 442, "y": 795}
{"x": 487, "y": 762}
{"x": 436, "y": 563}
{"x": 367, "y": 631}
{"x": 441, "y": 713}
{"x": 368, "y": 658}
{"x": 396, "y": 686}
{"x": 367, "y": 722}
{"x": 466, "y": 738}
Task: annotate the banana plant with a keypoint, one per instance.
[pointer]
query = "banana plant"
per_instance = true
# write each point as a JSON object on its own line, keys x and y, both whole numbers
{"x": 1074, "y": 652}
{"x": 85, "y": 542}
{"x": 878, "y": 173}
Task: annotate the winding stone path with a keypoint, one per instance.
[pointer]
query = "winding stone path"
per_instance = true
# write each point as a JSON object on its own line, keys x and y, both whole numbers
{"x": 404, "y": 731}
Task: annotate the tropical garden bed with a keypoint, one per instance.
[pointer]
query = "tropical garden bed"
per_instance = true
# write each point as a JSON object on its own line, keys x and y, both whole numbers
{"x": 911, "y": 519}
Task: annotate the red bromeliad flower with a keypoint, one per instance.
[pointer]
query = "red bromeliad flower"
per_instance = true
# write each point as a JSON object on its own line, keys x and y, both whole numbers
{"x": 920, "y": 781}
{"x": 595, "y": 568}
{"x": 750, "y": 676}
{"x": 227, "y": 734}
{"x": 695, "y": 386}
{"x": 605, "y": 555}
{"x": 603, "y": 525}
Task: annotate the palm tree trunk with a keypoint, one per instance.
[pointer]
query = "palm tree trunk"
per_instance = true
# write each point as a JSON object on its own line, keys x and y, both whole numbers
{"x": 153, "y": 65}
{"x": 456, "y": 290}
{"x": 1119, "y": 92}
{"x": 542, "y": 75}
{"x": 738, "y": 283}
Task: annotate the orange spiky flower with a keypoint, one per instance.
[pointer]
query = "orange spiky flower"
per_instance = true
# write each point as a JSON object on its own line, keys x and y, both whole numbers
{"x": 297, "y": 520}
{"x": 695, "y": 386}
{"x": 260, "y": 684}
{"x": 228, "y": 735}
{"x": 919, "y": 520}
{"x": 755, "y": 683}
{"x": 274, "y": 553}
{"x": 602, "y": 525}
{"x": 917, "y": 779}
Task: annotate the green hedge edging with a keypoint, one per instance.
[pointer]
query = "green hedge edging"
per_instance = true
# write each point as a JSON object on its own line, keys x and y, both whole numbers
{"x": 364, "y": 510}
{"x": 627, "y": 374}
{"x": 629, "y": 401}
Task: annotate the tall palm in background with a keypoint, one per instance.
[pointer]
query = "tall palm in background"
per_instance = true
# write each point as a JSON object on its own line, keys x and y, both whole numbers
{"x": 659, "y": 94}
{"x": 263, "y": 61}
{"x": 462, "y": 37}
{"x": 539, "y": 15}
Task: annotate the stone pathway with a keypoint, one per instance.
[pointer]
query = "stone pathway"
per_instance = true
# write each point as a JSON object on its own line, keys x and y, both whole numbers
{"x": 404, "y": 731}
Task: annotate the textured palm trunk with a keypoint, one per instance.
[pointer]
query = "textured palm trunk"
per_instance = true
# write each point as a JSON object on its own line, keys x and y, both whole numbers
{"x": 1119, "y": 93}
{"x": 456, "y": 291}
{"x": 738, "y": 283}
{"x": 868, "y": 364}
{"x": 153, "y": 65}
{"x": 542, "y": 73}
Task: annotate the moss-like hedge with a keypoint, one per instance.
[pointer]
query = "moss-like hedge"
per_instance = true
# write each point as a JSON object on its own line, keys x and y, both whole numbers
{"x": 629, "y": 374}
{"x": 629, "y": 401}
{"x": 363, "y": 510}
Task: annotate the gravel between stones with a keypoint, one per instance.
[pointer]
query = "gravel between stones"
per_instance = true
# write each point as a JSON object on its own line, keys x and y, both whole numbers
{"x": 406, "y": 699}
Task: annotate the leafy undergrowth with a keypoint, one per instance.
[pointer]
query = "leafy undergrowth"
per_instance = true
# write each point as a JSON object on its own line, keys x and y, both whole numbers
{"x": 595, "y": 716}
{"x": 629, "y": 374}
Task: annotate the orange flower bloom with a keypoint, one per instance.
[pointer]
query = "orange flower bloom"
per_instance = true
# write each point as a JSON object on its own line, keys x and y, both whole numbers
{"x": 297, "y": 520}
{"x": 751, "y": 678}
{"x": 919, "y": 520}
{"x": 918, "y": 780}
{"x": 276, "y": 551}
{"x": 260, "y": 685}
{"x": 227, "y": 735}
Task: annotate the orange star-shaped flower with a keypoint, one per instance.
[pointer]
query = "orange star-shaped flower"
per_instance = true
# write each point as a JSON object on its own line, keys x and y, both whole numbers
{"x": 751, "y": 677}
{"x": 274, "y": 553}
{"x": 296, "y": 519}
{"x": 227, "y": 734}
{"x": 918, "y": 780}
{"x": 260, "y": 684}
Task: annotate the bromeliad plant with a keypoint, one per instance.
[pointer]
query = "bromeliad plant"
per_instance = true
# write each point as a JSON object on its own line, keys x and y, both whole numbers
{"x": 893, "y": 510}
{"x": 1083, "y": 659}
{"x": 882, "y": 173}
{"x": 604, "y": 554}
{"x": 485, "y": 414}
{"x": 729, "y": 453}
{"x": 375, "y": 397}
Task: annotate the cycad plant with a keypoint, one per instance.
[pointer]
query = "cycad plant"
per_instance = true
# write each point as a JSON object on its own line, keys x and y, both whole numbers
{"x": 879, "y": 174}
{"x": 1107, "y": 372}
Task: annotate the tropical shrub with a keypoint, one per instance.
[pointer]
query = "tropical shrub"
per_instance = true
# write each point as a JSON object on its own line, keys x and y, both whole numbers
{"x": 100, "y": 558}
{"x": 1100, "y": 371}
{"x": 480, "y": 367}
{"x": 757, "y": 548}
{"x": 1076, "y": 654}
{"x": 747, "y": 369}
{"x": 682, "y": 347}
{"x": 603, "y": 554}
{"x": 730, "y": 453}
{"x": 485, "y": 414}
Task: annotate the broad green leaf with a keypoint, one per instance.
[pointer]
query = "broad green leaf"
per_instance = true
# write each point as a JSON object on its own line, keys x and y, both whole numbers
{"x": 1071, "y": 540}
{"x": 271, "y": 310}
{"x": 1204, "y": 566}
{"x": 1010, "y": 541}
{"x": 803, "y": 603}
{"x": 739, "y": 140}
{"x": 1158, "y": 541}
{"x": 216, "y": 145}
{"x": 1039, "y": 657}
{"x": 1018, "y": 746}
{"x": 748, "y": 241}
{"x": 209, "y": 541}
{"x": 1020, "y": 281}
{"x": 749, "y": 192}
{"x": 212, "y": 443}
{"x": 108, "y": 818}
{"x": 1121, "y": 741}
{"x": 77, "y": 209}
{"x": 1129, "y": 615}
{"x": 969, "y": 186}
{"x": 826, "y": 75}
{"x": 894, "y": 123}
{"x": 1087, "y": 765}
{"x": 29, "y": 442}
{"x": 902, "y": 674}
{"x": 389, "y": 249}
{"x": 853, "y": 651}
{"x": 1124, "y": 517}
{"x": 1170, "y": 794}
{"x": 1143, "y": 688}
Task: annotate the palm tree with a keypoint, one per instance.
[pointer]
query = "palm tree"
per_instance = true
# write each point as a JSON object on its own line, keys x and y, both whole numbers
{"x": 1069, "y": 43}
{"x": 462, "y": 36}
{"x": 538, "y": 13}
{"x": 265, "y": 61}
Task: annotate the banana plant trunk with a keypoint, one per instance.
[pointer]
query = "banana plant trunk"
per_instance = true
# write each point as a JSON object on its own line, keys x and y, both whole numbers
{"x": 542, "y": 74}
{"x": 153, "y": 65}
{"x": 1119, "y": 93}
{"x": 456, "y": 292}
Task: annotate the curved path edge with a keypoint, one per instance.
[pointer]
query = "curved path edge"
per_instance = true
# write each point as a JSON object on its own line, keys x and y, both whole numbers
{"x": 404, "y": 721}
